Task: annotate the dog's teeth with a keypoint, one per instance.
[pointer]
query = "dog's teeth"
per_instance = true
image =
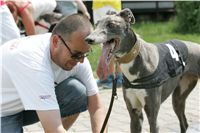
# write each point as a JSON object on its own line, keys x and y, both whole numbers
{"x": 113, "y": 46}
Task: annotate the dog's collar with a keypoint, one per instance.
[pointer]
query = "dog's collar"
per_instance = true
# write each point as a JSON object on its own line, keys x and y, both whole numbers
{"x": 130, "y": 55}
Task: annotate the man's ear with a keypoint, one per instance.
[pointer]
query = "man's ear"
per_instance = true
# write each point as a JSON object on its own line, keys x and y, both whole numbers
{"x": 54, "y": 41}
{"x": 127, "y": 15}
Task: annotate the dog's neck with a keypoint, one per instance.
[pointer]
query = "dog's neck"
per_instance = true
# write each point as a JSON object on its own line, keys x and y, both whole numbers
{"x": 132, "y": 54}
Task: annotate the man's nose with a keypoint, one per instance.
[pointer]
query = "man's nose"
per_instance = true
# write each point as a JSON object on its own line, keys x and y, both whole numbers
{"x": 81, "y": 60}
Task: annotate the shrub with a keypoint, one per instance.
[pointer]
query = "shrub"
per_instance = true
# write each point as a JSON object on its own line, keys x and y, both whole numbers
{"x": 188, "y": 16}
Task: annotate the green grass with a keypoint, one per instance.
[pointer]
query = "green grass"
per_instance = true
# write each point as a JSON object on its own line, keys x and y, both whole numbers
{"x": 162, "y": 31}
{"x": 94, "y": 56}
{"x": 153, "y": 32}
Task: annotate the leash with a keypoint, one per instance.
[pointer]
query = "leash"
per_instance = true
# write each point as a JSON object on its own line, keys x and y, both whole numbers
{"x": 41, "y": 25}
{"x": 113, "y": 96}
{"x": 132, "y": 54}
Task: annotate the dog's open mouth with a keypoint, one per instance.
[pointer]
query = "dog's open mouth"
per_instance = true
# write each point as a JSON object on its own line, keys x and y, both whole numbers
{"x": 109, "y": 48}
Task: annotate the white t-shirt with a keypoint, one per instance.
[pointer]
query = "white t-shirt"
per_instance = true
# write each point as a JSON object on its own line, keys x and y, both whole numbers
{"x": 42, "y": 7}
{"x": 8, "y": 27}
{"x": 67, "y": 7}
{"x": 28, "y": 75}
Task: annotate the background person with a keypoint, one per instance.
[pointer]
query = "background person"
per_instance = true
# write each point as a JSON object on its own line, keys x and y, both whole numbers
{"x": 104, "y": 71}
{"x": 46, "y": 77}
{"x": 69, "y": 7}
{"x": 9, "y": 29}
{"x": 29, "y": 11}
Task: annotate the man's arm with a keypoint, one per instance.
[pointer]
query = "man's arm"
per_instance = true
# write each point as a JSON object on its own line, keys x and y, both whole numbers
{"x": 51, "y": 121}
{"x": 82, "y": 8}
{"x": 97, "y": 113}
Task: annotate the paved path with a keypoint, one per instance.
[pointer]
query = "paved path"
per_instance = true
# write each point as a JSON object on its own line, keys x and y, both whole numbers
{"x": 119, "y": 119}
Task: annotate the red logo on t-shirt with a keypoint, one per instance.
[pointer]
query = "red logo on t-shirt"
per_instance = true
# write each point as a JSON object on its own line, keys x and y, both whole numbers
{"x": 14, "y": 45}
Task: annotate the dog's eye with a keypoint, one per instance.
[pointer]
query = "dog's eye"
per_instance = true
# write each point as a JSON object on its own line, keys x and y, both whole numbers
{"x": 111, "y": 25}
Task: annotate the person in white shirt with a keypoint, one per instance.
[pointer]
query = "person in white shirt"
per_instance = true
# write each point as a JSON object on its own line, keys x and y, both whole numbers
{"x": 47, "y": 77}
{"x": 30, "y": 11}
{"x": 9, "y": 29}
{"x": 69, "y": 7}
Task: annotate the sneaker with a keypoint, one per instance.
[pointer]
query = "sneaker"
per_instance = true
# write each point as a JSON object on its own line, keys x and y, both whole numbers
{"x": 119, "y": 83}
{"x": 119, "y": 80}
{"x": 110, "y": 85}
{"x": 101, "y": 82}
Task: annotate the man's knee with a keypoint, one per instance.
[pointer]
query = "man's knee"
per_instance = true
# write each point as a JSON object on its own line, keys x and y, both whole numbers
{"x": 72, "y": 97}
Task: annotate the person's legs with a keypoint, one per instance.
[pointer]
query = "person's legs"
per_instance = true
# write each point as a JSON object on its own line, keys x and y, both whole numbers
{"x": 66, "y": 8}
{"x": 112, "y": 71}
{"x": 103, "y": 69}
{"x": 12, "y": 124}
{"x": 72, "y": 99}
{"x": 106, "y": 71}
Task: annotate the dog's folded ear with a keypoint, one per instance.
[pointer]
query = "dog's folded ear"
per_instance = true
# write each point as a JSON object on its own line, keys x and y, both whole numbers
{"x": 110, "y": 12}
{"x": 127, "y": 15}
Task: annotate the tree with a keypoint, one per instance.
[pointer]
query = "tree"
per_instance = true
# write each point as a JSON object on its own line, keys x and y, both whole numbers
{"x": 188, "y": 16}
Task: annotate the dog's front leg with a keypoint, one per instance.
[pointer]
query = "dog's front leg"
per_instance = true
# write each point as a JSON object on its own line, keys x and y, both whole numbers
{"x": 135, "y": 113}
{"x": 136, "y": 120}
{"x": 152, "y": 106}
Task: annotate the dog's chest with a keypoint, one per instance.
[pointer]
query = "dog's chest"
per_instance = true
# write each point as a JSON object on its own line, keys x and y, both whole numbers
{"x": 125, "y": 69}
{"x": 135, "y": 97}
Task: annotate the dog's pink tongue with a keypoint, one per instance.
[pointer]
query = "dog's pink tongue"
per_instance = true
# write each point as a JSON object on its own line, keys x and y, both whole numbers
{"x": 106, "y": 54}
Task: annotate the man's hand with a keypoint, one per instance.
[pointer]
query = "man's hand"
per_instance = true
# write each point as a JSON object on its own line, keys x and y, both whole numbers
{"x": 97, "y": 113}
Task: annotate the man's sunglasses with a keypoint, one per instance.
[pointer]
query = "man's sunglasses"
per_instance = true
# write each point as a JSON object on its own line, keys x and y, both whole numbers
{"x": 75, "y": 56}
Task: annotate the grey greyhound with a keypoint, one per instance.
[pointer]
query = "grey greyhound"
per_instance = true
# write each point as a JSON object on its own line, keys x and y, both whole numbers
{"x": 151, "y": 72}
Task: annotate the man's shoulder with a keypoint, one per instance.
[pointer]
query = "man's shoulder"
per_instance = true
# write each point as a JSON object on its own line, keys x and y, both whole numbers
{"x": 84, "y": 67}
{"x": 33, "y": 39}
{"x": 39, "y": 36}
{"x": 37, "y": 41}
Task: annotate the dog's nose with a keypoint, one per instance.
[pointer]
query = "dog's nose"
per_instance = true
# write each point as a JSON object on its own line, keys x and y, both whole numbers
{"x": 89, "y": 40}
